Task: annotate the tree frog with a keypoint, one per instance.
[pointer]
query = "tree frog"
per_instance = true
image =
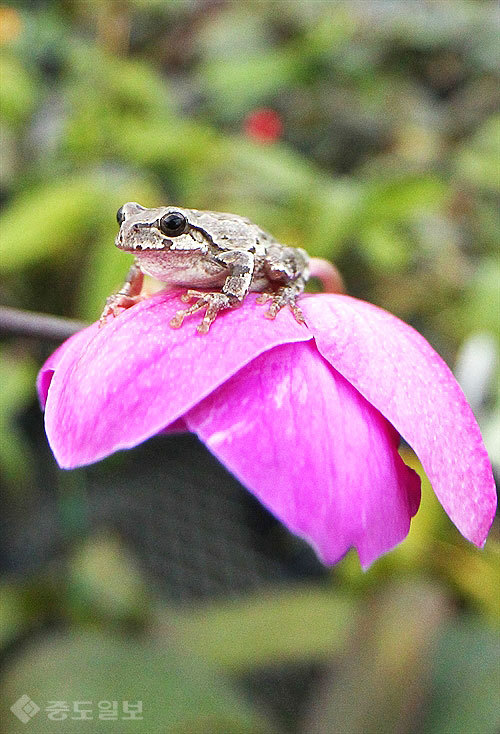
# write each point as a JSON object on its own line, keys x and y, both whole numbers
{"x": 209, "y": 250}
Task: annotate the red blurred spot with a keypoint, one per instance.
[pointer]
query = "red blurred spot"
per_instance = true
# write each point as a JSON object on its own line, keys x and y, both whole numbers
{"x": 264, "y": 125}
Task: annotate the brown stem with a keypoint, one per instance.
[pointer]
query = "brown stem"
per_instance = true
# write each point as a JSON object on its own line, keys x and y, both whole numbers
{"x": 37, "y": 325}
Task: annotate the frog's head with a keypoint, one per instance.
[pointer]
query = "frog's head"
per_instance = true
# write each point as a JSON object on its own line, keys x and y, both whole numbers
{"x": 161, "y": 229}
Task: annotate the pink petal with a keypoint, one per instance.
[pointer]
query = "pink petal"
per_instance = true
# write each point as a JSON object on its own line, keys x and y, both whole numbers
{"x": 313, "y": 450}
{"x": 178, "y": 426}
{"x": 122, "y": 384}
{"x": 74, "y": 345}
{"x": 394, "y": 367}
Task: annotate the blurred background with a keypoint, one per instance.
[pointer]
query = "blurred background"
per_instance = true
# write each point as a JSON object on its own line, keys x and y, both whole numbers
{"x": 365, "y": 131}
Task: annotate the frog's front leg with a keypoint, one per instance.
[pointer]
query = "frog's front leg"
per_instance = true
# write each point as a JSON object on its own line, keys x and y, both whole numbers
{"x": 236, "y": 286}
{"x": 128, "y": 295}
{"x": 288, "y": 269}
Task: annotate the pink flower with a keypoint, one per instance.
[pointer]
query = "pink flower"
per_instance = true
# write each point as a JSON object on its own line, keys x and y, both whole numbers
{"x": 307, "y": 417}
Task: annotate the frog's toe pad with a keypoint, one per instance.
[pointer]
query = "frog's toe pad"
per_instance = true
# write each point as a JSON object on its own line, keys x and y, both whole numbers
{"x": 117, "y": 303}
{"x": 211, "y": 302}
{"x": 280, "y": 299}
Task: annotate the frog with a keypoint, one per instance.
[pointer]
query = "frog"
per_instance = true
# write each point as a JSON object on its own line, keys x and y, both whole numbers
{"x": 224, "y": 254}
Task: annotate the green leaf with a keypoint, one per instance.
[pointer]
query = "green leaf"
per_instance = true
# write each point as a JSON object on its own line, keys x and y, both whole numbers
{"x": 17, "y": 90}
{"x": 238, "y": 84}
{"x": 58, "y": 213}
{"x": 17, "y": 378}
{"x": 400, "y": 197}
{"x": 67, "y": 215}
{"x": 466, "y": 681}
{"x": 295, "y": 624}
{"x": 105, "y": 579}
{"x": 477, "y": 161}
{"x": 385, "y": 246}
{"x": 13, "y": 613}
{"x": 128, "y": 84}
{"x": 233, "y": 32}
{"x": 276, "y": 172}
{"x": 333, "y": 210}
{"x": 479, "y": 308}
{"x": 179, "y": 143}
{"x": 383, "y": 674}
{"x": 179, "y": 694}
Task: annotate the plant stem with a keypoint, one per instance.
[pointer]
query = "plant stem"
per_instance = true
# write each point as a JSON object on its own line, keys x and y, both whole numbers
{"x": 37, "y": 325}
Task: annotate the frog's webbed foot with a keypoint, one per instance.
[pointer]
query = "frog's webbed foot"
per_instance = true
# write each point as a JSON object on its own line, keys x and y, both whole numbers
{"x": 117, "y": 303}
{"x": 211, "y": 302}
{"x": 285, "y": 296}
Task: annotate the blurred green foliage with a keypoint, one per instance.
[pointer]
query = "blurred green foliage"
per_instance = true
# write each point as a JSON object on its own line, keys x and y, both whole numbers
{"x": 388, "y": 165}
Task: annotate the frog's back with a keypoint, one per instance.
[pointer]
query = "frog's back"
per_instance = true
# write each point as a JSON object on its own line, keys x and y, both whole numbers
{"x": 230, "y": 231}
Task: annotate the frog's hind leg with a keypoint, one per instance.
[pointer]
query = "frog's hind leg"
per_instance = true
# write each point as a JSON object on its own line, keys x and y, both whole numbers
{"x": 286, "y": 295}
{"x": 287, "y": 269}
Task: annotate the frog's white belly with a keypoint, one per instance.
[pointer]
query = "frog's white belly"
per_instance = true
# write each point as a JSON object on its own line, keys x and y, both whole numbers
{"x": 188, "y": 269}
{"x": 182, "y": 268}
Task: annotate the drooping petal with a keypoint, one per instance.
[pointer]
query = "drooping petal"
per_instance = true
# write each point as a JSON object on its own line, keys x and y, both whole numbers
{"x": 313, "y": 451}
{"x": 74, "y": 345}
{"x": 396, "y": 369}
{"x": 125, "y": 382}
{"x": 178, "y": 426}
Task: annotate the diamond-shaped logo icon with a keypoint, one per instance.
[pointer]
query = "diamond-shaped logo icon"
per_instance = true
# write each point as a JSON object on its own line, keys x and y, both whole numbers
{"x": 24, "y": 708}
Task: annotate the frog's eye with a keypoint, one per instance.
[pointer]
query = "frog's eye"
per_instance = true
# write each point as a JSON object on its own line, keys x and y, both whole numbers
{"x": 173, "y": 224}
{"x": 120, "y": 215}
